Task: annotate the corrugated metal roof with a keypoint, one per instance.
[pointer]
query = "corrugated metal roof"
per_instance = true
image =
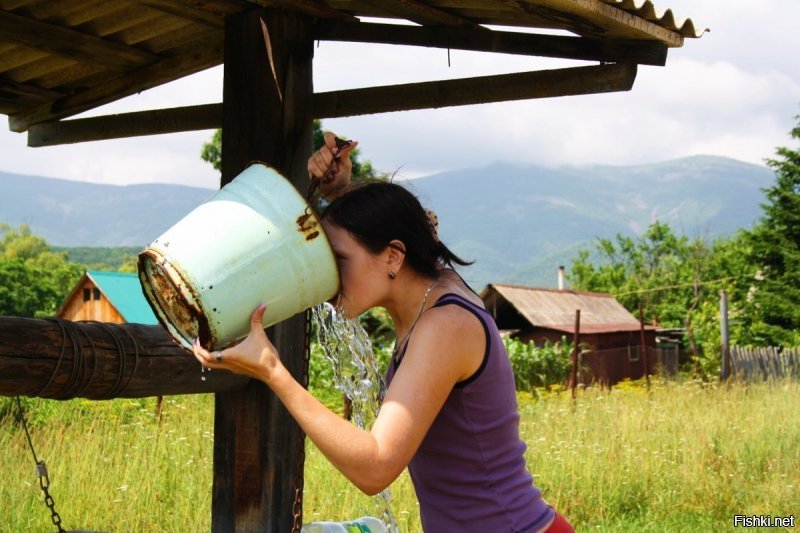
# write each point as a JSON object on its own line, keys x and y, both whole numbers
{"x": 124, "y": 291}
{"x": 661, "y": 17}
{"x": 555, "y": 309}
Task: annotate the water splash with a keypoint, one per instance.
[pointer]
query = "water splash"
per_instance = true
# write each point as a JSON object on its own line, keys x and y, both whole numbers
{"x": 348, "y": 348}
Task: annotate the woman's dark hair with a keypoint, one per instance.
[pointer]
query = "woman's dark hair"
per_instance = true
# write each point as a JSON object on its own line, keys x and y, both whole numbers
{"x": 377, "y": 213}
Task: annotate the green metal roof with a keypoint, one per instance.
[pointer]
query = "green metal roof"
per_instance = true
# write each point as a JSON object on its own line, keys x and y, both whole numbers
{"x": 124, "y": 291}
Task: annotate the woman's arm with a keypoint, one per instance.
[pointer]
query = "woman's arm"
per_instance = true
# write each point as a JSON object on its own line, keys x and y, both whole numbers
{"x": 447, "y": 346}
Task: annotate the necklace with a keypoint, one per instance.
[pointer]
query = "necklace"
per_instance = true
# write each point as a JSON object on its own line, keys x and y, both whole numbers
{"x": 402, "y": 341}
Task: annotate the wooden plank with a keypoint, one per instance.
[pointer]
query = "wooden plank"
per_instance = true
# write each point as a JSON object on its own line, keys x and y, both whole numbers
{"x": 141, "y": 33}
{"x": 211, "y": 13}
{"x": 10, "y": 105}
{"x": 617, "y": 21}
{"x": 501, "y": 88}
{"x": 121, "y": 19}
{"x": 19, "y": 56}
{"x": 421, "y": 13}
{"x": 69, "y": 43}
{"x": 642, "y": 52}
{"x": 56, "y": 72}
{"x": 308, "y": 7}
{"x": 199, "y": 59}
{"x": 190, "y": 118}
{"x": 765, "y": 363}
{"x": 258, "y": 447}
{"x": 69, "y": 13}
{"x": 63, "y": 359}
{"x": 34, "y": 92}
{"x": 188, "y": 35}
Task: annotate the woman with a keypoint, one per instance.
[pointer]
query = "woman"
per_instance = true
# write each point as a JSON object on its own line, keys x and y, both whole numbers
{"x": 450, "y": 412}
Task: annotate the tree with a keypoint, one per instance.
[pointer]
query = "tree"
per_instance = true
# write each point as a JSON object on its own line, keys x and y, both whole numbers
{"x": 23, "y": 244}
{"x": 675, "y": 279}
{"x": 362, "y": 170}
{"x": 638, "y": 271}
{"x": 34, "y": 280}
{"x": 212, "y": 151}
{"x": 774, "y": 247}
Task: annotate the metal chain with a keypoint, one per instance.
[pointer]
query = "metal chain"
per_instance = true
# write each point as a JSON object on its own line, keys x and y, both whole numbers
{"x": 297, "y": 507}
{"x": 41, "y": 471}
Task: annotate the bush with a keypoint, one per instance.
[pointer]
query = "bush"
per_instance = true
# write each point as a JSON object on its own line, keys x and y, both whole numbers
{"x": 539, "y": 366}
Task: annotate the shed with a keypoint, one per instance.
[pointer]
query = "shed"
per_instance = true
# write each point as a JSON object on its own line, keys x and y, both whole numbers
{"x": 612, "y": 337}
{"x": 114, "y": 297}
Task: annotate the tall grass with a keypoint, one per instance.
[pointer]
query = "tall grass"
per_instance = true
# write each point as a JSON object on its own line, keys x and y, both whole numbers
{"x": 679, "y": 457}
{"x": 112, "y": 465}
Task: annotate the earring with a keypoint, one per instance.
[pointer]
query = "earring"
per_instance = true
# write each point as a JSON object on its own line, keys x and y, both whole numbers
{"x": 391, "y": 275}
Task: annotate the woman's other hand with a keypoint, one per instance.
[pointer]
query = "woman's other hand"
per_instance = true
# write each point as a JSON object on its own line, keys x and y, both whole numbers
{"x": 255, "y": 356}
{"x": 331, "y": 165}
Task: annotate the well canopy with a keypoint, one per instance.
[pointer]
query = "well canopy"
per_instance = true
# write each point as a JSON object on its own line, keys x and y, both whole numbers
{"x": 58, "y": 59}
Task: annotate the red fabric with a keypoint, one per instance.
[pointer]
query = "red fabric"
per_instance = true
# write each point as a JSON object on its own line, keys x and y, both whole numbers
{"x": 560, "y": 525}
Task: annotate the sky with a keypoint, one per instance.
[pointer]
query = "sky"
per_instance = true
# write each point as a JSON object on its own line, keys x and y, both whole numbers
{"x": 734, "y": 92}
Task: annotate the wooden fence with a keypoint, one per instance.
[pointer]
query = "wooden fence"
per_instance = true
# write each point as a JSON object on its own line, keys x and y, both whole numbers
{"x": 753, "y": 364}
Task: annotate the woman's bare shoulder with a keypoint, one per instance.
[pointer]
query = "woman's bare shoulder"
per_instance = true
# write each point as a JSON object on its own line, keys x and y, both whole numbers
{"x": 451, "y": 337}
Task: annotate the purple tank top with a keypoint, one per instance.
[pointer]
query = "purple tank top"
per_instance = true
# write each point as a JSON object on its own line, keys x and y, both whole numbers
{"x": 469, "y": 472}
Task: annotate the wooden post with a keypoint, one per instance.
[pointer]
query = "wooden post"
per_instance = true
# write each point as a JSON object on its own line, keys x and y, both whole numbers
{"x": 724, "y": 335}
{"x": 258, "y": 447}
{"x": 573, "y": 379}
{"x": 643, "y": 345}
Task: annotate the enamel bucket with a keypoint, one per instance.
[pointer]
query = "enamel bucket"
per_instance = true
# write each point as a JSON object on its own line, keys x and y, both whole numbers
{"x": 254, "y": 241}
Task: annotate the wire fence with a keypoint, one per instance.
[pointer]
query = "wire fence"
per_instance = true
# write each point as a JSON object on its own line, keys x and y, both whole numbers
{"x": 756, "y": 364}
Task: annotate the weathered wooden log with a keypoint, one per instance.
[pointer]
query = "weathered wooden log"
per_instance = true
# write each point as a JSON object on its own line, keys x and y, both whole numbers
{"x": 53, "y": 358}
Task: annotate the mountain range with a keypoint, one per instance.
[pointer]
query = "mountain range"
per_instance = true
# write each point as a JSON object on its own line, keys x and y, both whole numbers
{"x": 519, "y": 223}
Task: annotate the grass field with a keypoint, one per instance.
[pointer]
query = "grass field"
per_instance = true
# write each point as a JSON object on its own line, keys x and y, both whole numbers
{"x": 679, "y": 457}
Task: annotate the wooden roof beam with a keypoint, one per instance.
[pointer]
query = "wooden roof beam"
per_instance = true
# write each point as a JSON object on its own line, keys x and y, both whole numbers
{"x": 70, "y": 44}
{"x": 28, "y": 90}
{"x": 9, "y": 105}
{"x": 139, "y": 123}
{"x": 132, "y": 83}
{"x": 479, "y": 90}
{"x": 352, "y": 102}
{"x": 582, "y": 48}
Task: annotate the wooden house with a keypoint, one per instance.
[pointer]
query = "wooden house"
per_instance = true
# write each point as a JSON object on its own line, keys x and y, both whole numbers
{"x": 611, "y": 336}
{"x": 114, "y": 297}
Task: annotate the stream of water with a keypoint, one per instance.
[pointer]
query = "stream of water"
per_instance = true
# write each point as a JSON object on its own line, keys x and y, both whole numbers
{"x": 349, "y": 350}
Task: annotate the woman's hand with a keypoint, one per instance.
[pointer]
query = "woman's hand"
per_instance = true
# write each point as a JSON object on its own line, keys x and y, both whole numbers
{"x": 331, "y": 165}
{"x": 255, "y": 356}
